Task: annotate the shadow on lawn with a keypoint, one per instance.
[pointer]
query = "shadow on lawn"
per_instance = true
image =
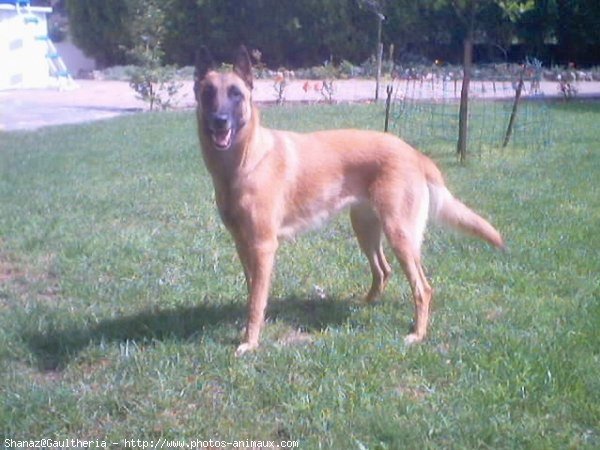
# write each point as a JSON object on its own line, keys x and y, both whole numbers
{"x": 55, "y": 348}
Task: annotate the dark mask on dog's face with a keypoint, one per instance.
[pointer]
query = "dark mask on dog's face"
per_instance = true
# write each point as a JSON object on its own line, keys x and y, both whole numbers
{"x": 224, "y": 99}
{"x": 224, "y": 102}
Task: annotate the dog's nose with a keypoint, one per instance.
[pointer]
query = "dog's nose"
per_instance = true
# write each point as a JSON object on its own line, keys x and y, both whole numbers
{"x": 221, "y": 121}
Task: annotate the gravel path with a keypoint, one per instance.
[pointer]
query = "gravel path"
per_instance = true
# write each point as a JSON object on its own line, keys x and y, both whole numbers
{"x": 96, "y": 100}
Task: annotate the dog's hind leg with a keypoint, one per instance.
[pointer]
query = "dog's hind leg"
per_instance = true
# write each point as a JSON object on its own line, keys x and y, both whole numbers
{"x": 404, "y": 229}
{"x": 367, "y": 228}
{"x": 410, "y": 260}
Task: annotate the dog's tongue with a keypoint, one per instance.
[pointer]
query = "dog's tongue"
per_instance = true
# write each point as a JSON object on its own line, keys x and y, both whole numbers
{"x": 222, "y": 138}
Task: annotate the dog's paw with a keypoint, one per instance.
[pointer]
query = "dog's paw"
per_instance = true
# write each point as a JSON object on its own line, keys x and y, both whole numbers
{"x": 412, "y": 339}
{"x": 244, "y": 348}
{"x": 370, "y": 299}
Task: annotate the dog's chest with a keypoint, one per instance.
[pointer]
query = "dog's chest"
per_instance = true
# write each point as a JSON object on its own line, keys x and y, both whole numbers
{"x": 246, "y": 202}
{"x": 235, "y": 207}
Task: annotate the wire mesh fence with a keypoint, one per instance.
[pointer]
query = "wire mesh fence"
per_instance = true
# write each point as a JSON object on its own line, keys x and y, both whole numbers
{"x": 425, "y": 109}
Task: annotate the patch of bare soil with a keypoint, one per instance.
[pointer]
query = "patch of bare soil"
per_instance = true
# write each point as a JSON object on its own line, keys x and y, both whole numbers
{"x": 22, "y": 280}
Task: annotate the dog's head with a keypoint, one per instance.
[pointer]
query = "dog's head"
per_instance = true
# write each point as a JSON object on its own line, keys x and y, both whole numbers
{"x": 224, "y": 98}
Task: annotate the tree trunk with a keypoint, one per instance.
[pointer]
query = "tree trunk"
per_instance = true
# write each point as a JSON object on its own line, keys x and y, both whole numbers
{"x": 463, "y": 114}
{"x": 378, "y": 57}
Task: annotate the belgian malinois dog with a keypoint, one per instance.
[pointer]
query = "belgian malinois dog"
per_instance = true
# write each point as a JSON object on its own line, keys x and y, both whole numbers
{"x": 271, "y": 184}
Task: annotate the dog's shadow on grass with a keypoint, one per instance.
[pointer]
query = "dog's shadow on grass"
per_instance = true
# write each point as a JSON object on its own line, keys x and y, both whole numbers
{"x": 54, "y": 349}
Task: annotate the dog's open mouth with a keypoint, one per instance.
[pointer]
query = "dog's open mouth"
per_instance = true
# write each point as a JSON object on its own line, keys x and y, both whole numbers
{"x": 222, "y": 138}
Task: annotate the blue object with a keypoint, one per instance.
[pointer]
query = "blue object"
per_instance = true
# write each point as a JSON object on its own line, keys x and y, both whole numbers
{"x": 16, "y": 2}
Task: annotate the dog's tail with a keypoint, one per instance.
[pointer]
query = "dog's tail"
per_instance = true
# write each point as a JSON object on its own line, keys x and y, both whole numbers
{"x": 446, "y": 209}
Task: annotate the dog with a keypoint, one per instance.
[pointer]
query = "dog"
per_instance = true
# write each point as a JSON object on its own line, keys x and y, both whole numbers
{"x": 270, "y": 184}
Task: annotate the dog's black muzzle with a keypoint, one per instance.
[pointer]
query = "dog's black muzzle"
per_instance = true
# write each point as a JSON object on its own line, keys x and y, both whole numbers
{"x": 221, "y": 122}
{"x": 221, "y": 128}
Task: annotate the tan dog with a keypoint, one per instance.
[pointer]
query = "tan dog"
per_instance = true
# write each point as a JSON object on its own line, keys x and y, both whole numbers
{"x": 271, "y": 184}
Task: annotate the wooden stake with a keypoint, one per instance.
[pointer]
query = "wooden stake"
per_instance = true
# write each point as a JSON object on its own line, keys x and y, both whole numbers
{"x": 513, "y": 114}
{"x": 388, "y": 103}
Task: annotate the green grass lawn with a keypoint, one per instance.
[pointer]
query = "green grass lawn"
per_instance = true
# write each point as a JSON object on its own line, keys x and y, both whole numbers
{"x": 122, "y": 300}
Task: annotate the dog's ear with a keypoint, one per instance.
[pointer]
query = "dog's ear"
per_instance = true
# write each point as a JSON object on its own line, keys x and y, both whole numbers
{"x": 243, "y": 67}
{"x": 203, "y": 63}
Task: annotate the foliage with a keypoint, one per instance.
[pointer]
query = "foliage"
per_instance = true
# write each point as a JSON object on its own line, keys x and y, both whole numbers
{"x": 294, "y": 34}
{"x": 154, "y": 83}
{"x": 577, "y": 28}
{"x": 157, "y": 86}
{"x": 280, "y": 84}
{"x": 328, "y": 91}
{"x": 121, "y": 301}
{"x": 566, "y": 84}
{"x": 101, "y": 29}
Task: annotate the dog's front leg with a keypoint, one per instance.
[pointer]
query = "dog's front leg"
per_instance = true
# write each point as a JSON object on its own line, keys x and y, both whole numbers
{"x": 259, "y": 258}
{"x": 242, "y": 252}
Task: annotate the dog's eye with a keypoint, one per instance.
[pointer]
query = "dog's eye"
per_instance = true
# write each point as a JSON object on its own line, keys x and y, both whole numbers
{"x": 208, "y": 93}
{"x": 235, "y": 93}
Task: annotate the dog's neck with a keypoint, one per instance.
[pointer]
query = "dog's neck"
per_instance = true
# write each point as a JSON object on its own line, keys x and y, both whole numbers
{"x": 251, "y": 130}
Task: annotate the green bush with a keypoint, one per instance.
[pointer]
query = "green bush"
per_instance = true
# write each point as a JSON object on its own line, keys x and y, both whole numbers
{"x": 157, "y": 86}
